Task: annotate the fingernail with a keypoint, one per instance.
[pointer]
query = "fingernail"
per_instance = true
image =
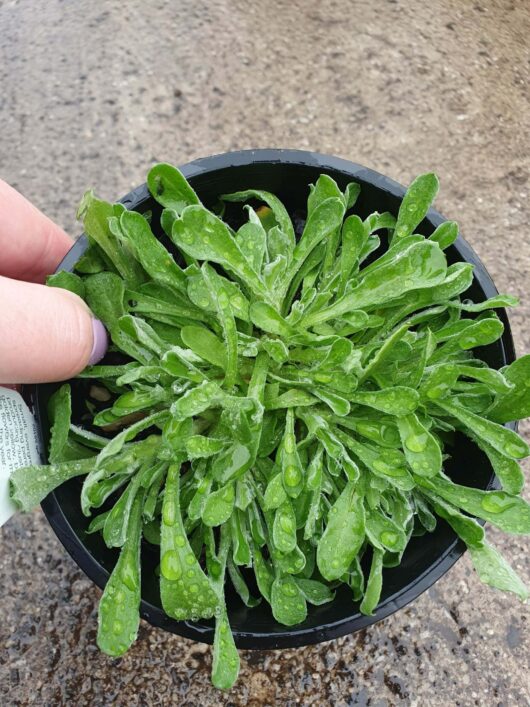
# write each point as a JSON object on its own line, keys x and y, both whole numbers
{"x": 101, "y": 342}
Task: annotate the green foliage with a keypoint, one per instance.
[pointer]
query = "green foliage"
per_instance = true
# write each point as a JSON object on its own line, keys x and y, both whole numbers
{"x": 283, "y": 406}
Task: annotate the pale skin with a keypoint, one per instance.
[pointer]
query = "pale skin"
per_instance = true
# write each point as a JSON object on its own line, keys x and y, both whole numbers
{"x": 46, "y": 334}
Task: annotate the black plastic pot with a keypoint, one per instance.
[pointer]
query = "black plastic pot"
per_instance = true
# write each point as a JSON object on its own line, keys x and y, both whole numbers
{"x": 287, "y": 173}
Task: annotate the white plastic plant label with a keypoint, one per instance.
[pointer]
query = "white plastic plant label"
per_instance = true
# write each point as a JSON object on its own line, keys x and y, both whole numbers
{"x": 19, "y": 444}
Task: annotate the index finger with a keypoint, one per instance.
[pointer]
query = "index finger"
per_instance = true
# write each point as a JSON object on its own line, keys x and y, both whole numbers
{"x": 31, "y": 244}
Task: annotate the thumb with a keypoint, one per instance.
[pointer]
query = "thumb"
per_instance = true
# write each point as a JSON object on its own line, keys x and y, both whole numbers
{"x": 46, "y": 333}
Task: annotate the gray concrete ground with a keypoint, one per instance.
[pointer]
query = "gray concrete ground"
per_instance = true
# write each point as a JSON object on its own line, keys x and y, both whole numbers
{"x": 92, "y": 94}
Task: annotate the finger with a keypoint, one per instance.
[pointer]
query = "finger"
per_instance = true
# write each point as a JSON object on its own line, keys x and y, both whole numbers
{"x": 31, "y": 245}
{"x": 47, "y": 334}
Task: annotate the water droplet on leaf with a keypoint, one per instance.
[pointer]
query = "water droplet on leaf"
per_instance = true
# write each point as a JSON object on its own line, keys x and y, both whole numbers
{"x": 416, "y": 443}
{"x": 170, "y": 565}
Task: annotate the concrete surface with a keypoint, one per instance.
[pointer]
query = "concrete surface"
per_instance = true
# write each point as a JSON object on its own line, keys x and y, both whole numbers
{"x": 92, "y": 94}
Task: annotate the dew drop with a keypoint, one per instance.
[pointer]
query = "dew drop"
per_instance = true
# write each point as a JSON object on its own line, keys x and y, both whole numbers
{"x": 170, "y": 565}
{"x": 380, "y": 465}
{"x": 468, "y": 342}
{"x": 180, "y": 541}
{"x": 128, "y": 576}
{"x": 416, "y": 443}
{"x": 389, "y": 538}
{"x": 286, "y": 523}
{"x": 437, "y": 391}
{"x": 497, "y": 503}
{"x": 289, "y": 443}
{"x": 292, "y": 476}
{"x": 516, "y": 449}
{"x": 169, "y": 514}
{"x": 228, "y": 494}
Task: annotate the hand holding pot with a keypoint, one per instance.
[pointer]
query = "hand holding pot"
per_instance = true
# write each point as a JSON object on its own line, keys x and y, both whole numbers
{"x": 46, "y": 334}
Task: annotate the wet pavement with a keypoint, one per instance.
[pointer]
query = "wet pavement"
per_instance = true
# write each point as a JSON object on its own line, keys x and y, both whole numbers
{"x": 91, "y": 94}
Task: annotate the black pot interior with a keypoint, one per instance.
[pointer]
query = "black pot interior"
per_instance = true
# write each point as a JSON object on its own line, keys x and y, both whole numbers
{"x": 425, "y": 559}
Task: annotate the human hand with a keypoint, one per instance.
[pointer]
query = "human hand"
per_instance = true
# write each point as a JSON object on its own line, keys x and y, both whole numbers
{"x": 46, "y": 334}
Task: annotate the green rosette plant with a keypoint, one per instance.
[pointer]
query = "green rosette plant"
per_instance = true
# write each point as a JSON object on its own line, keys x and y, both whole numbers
{"x": 279, "y": 403}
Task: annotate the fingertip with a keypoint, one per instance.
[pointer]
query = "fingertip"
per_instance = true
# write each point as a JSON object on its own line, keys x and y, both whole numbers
{"x": 47, "y": 333}
{"x": 100, "y": 342}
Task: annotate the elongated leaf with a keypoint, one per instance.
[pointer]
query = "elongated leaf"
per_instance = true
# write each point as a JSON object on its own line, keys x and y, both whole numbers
{"x": 515, "y": 404}
{"x": 226, "y": 319}
{"x": 416, "y": 203}
{"x": 219, "y": 505}
{"x": 169, "y": 187}
{"x": 315, "y": 592}
{"x": 505, "y": 441}
{"x": 105, "y": 294}
{"x": 445, "y": 234}
{"x": 119, "y": 607}
{"x": 325, "y": 220}
{"x": 508, "y": 512}
{"x": 493, "y": 569}
{"x": 392, "y": 401}
{"x": 116, "y": 444}
{"x": 202, "y": 235}
{"x": 343, "y": 536}
{"x": 225, "y": 660}
{"x": 471, "y": 532}
{"x": 152, "y": 255}
{"x": 29, "y": 485}
{"x": 422, "y": 450}
{"x": 284, "y": 528}
{"x": 95, "y": 215}
{"x": 287, "y": 601}
{"x": 196, "y": 599}
{"x": 421, "y": 265}
{"x": 59, "y": 414}
{"x": 374, "y": 585}
{"x": 116, "y": 525}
